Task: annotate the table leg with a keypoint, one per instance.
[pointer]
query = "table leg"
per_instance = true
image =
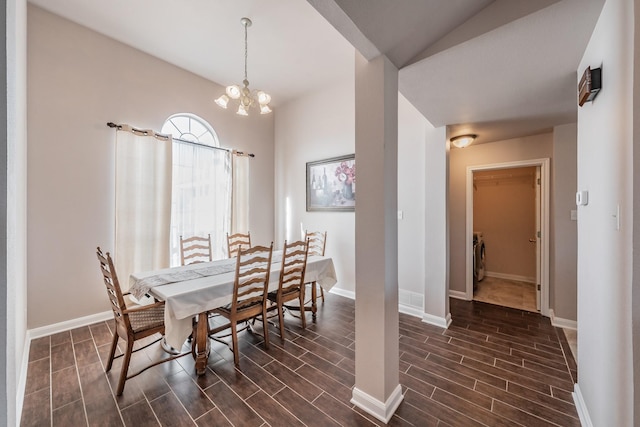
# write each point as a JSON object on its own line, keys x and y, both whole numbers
{"x": 314, "y": 295}
{"x": 202, "y": 343}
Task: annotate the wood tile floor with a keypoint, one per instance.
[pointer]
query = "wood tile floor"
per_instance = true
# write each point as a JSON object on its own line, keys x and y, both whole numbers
{"x": 494, "y": 366}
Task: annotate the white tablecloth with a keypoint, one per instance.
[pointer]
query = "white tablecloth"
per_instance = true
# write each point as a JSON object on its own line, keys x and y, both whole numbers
{"x": 198, "y": 294}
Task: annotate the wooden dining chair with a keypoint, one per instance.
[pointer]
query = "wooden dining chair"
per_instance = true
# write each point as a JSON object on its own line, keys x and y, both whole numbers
{"x": 250, "y": 287}
{"x": 236, "y": 240}
{"x": 291, "y": 284}
{"x": 317, "y": 243}
{"x": 131, "y": 324}
{"x": 195, "y": 249}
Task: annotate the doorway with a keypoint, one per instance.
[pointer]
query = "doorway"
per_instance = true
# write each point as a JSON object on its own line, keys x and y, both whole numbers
{"x": 519, "y": 257}
{"x": 504, "y": 220}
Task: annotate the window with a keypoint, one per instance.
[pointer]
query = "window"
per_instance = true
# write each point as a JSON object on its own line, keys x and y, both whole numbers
{"x": 201, "y": 184}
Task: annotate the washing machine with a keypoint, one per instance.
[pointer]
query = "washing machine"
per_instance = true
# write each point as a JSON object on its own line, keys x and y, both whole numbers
{"x": 479, "y": 257}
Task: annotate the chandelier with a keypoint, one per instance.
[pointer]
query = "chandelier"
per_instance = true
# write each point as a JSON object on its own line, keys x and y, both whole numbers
{"x": 246, "y": 98}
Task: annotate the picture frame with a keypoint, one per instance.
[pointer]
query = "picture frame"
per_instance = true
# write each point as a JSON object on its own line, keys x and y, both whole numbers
{"x": 331, "y": 184}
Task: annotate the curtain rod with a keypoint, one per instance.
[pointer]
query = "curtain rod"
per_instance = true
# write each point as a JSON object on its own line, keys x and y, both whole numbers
{"x": 165, "y": 137}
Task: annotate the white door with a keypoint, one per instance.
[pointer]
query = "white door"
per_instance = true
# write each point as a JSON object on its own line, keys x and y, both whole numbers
{"x": 537, "y": 240}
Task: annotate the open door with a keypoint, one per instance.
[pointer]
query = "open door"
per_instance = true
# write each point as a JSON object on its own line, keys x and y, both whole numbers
{"x": 537, "y": 239}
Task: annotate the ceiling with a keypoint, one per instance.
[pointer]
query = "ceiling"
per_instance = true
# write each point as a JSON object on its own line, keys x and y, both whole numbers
{"x": 497, "y": 68}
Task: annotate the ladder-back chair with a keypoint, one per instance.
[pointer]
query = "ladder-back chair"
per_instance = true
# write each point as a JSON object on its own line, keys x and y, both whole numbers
{"x": 291, "y": 284}
{"x": 195, "y": 249}
{"x": 131, "y": 324}
{"x": 236, "y": 240}
{"x": 317, "y": 244}
{"x": 250, "y": 288}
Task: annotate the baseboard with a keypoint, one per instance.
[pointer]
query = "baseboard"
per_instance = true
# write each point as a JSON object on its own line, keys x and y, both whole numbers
{"x": 343, "y": 293}
{"x": 22, "y": 379}
{"x": 441, "y": 322}
{"x": 458, "y": 295}
{"x": 67, "y": 325}
{"x": 411, "y": 310}
{"x": 515, "y": 277}
{"x": 383, "y": 411}
{"x": 581, "y": 407}
{"x": 559, "y": 322}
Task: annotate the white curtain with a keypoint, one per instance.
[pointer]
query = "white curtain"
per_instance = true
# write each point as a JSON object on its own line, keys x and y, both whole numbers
{"x": 240, "y": 195}
{"x": 201, "y": 196}
{"x": 143, "y": 202}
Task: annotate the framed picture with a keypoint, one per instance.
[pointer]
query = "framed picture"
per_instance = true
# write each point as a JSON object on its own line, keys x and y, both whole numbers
{"x": 331, "y": 184}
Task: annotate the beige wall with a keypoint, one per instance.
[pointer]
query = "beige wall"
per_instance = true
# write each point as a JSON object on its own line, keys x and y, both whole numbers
{"x": 504, "y": 210}
{"x": 77, "y": 81}
{"x": 564, "y": 230}
{"x": 526, "y": 148}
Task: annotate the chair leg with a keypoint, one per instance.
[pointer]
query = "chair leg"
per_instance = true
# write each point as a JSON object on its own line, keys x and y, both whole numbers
{"x": 234, "y": 338}
{"x": 112, "y": 352}
{"x": 281, "y": 319}
{"x": 125, "y": 367}
{"x": 265, "y": 327}
{"x": 321, "y": 292}
{"x": 303, "y": 317}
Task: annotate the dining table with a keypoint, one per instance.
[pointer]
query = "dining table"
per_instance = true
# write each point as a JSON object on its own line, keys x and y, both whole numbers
{"x": 192, "y": 291}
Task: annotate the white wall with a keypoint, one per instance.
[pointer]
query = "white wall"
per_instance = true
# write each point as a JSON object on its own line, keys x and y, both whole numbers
{"x": 605, "y": 169}
{"x": 563, "y": 264}
{"x": 78, "y": 80}
{"x": 317, "y": 126}
{"x": 16, "y": 205}
{"x": 412, "y": 127}
{"x": 321, "y": 125}
{"x": 526, "y": 148}
{"x": 436, "y": 228}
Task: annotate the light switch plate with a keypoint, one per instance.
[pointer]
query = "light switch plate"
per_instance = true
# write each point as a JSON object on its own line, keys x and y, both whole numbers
{"x": 400, "y": 214}
{"x": 582, "y": 198}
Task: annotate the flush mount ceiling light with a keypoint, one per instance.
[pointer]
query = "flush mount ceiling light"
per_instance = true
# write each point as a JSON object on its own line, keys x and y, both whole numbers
{"x": 462, "y": 141}
{"x": 246, "y": 98}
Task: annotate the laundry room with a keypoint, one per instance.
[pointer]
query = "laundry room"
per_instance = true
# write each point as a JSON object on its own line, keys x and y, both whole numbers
{"x": 504, "y": 237}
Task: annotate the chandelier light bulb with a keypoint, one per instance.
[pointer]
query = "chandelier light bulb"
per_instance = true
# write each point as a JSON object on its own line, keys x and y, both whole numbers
{"x": 264, "y": 109}
{"x": 223, "y": 101}
{"x": 233, "y": 91}
{"x": 242, "y": 111}
{"x": 263, "y": 98}
{"x": 246, "y": 98}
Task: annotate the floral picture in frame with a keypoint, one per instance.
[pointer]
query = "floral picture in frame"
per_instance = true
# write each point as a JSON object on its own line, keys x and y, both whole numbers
{"x": 331, "y": 184}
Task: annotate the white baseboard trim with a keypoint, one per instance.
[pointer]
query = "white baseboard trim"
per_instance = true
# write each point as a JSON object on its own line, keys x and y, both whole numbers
{"x": 67, "y": 325}
{"x": 381, "y": 410}
{"x": 458, "y": 294}
{"x": 559, "y": 322}
{"x": 343, "y": 293}
{"x": 411, "y": 310}
{"x": 441, "y": 322}
{"x": 581, "y": 407}
{"x": 22, "y": 379}
{"x": 402, "y": 308}
{"x": 515, "y": 277}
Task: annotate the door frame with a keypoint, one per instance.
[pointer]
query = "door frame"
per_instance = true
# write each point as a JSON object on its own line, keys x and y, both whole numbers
{"x": 544, "y": 223}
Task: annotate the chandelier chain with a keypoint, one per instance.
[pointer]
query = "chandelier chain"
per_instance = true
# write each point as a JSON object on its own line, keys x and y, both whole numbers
{"x": 245, "y": 51}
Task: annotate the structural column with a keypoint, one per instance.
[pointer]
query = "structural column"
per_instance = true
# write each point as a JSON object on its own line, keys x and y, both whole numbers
{"x": 377, "y": 389}
{"x": 436, "y": 229}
